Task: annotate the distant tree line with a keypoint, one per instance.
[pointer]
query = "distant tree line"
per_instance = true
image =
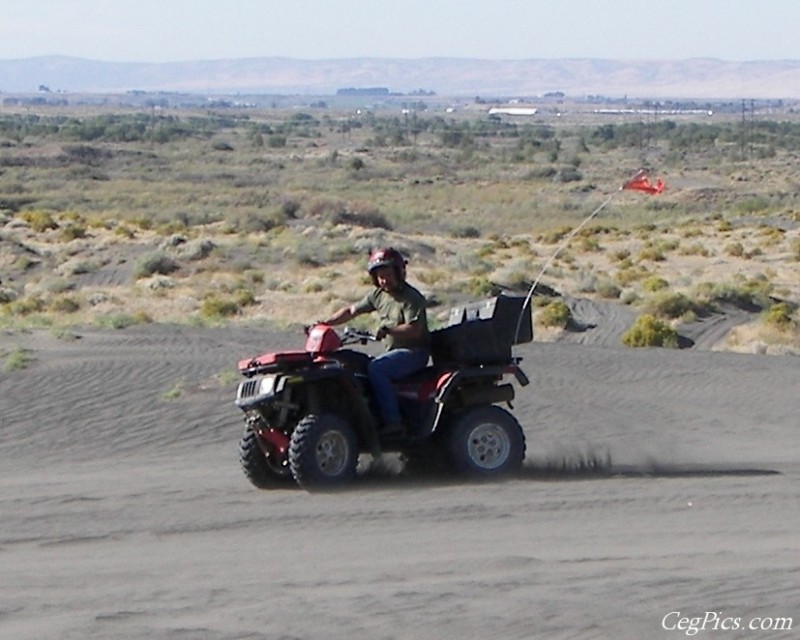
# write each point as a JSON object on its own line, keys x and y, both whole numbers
{"x": 758, "y": 138}
{"x": 363, "y": 91}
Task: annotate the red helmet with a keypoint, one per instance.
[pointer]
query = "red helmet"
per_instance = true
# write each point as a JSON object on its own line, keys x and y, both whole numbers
{"x": 387, "y": 257}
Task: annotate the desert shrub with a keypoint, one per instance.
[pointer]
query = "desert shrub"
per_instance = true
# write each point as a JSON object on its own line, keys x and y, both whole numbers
{"x": 313, "y": 285}
{"x": 630, "y": 275}
{"x": 586, "y": 282}
{"x": 355, "y": 164}
{"x": 589, "y": 245}
{"x": 117, "y": 321}
{"x": 124, "y": 231}
{"x": 171, "y": 227}
{"x": 289, "y": 207}
{"x": 357, "y": 214}
{"x": 143, "y": 222}
{"x": 606, "y": 288}
{"x": 779, "y": 316}
{"x": 244, "y": 297}
{"x": 26, "y": 306}
{"x": 325, "y": 207}
{"x": 174, "y": 393}
{"x": 142, "y": 317}
{"x": 695, "y": 249}
{"x": 7, "y": 295}
{"x": 480, "y": 286}
{"x": 653, "y": 253}
{"x": 86, "y": 154}
{"x": 77, "y": 266}
{"x": 217, "y": 307}
{"x": 255, "y": 276}
{"x": 73, "y": 232}
{"x": 39, "y": 220}
{"x": 197, "y": 249}
{"x": 466, "y": 232}
{"x": 667, "y": 304}
{"x": 541, "y": 173}
{"x": 65, "y": 304}
{"x": 649, "y": 331}
{"x": 630, "y": 298}
{"x": 620, "y": 254}
{"x": 750, "y": 295}
{"x": 310, "y": 256}
{"x": 555, "y": 235}
{"x": 260, "y": 222}
{"x": 555, "y": 314}
{"x": 568, "y": 174}
{"x": 19, "y": 358}
{"x": 155, "y": 262}
{"x": 772, "y": 235}
{"x": 654, "y": 283}
{"x": 735, "y": 249}
{"x": 754, "y": 204}
{"x": 692, "y": 232}
{"x": 514, "y": 276}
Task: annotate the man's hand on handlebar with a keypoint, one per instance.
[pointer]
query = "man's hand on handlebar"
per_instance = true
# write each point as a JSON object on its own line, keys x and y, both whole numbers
{"x": 358, "y": 334}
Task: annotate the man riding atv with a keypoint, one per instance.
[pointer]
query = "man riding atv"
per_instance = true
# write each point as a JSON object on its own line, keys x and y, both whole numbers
{"x": 403, "y": 326}
{"x": 310, "y": 414}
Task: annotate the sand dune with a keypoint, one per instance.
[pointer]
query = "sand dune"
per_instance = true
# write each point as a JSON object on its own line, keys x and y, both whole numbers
{"x": 125, "y": 514}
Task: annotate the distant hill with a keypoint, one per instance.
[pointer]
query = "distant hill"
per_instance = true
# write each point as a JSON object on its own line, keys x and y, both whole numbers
{"x": 691, "y": 78}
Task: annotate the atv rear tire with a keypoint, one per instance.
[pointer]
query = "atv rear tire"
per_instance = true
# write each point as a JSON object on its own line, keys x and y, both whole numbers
{"x": 257, "y": 466}
{"x": 485, "y": 442}
{"x": 323, "y": 453}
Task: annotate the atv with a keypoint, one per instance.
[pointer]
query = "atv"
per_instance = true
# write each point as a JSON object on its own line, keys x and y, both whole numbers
{"x": 310, "y": 414}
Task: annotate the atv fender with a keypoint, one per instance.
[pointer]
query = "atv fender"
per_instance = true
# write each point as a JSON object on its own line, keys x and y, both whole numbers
{"x": 498, "y": 393}
{"x": 363, "y": 421}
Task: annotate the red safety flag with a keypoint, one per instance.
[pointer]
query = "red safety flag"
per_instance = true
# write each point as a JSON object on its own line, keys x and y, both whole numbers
{"x": 640, "y": 182}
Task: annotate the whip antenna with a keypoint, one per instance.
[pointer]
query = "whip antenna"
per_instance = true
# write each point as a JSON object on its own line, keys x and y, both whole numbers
{"x": 638, "y": 182}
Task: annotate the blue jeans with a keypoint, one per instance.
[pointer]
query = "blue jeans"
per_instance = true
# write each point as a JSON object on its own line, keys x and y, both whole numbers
{"x": 389, "y": 366}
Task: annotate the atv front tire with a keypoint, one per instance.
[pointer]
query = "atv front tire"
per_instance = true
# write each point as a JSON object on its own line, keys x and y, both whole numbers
{"x": 323, "y": 453}
{"x": 485, "y": 442}
{"x": 260, "y": 469}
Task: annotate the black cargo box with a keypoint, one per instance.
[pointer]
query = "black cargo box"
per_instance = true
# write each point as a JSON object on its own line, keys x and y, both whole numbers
{"x": 483, "y": 332}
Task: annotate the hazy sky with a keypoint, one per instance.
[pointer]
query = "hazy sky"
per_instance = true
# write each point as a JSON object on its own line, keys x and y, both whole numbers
{"x": 169, "y": 30}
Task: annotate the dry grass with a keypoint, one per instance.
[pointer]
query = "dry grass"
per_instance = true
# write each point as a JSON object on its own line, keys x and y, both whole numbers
{"x": 219, "y": 228}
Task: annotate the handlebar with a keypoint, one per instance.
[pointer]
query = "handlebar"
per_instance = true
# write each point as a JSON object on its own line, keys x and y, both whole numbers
{"x": 352, "y": 336}
{"x": 349, "y": 335}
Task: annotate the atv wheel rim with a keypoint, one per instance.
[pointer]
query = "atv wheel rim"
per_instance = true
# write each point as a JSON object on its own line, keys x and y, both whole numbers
{"x": 488, "y": 446}
{"x": 332, "y": 453}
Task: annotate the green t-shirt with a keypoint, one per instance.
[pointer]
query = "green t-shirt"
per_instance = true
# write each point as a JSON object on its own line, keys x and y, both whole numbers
{"x": 404, "y": 306}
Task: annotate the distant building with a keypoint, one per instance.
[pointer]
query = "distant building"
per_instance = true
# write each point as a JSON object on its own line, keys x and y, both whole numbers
{"x": 513, "y": 111}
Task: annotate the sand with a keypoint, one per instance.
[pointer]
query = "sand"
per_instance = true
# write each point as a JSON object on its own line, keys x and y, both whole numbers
{"x": 125, "y": 513}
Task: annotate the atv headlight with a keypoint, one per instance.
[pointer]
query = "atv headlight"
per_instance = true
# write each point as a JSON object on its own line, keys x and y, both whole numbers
{"x": 267, "y": 385}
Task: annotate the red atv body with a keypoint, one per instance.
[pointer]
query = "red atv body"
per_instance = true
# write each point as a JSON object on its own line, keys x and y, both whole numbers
{"x": 310, "y": 414}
